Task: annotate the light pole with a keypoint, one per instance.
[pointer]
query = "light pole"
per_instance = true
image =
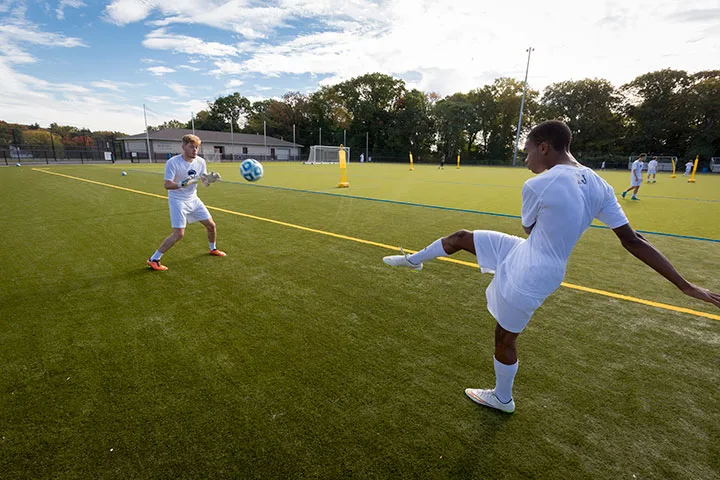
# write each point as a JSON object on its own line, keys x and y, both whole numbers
{"x": 522, "y": 105}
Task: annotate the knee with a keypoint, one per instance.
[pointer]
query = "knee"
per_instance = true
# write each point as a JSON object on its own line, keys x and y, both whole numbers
{"x": 459, "y": 239}
{"x": 178, "y": 234}
{"x": 210, "y": 225}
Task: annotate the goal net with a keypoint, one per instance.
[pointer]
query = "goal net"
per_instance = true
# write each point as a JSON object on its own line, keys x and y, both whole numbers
{"x": 326, "y": 154}
{"x": 212, "y": 157}
{"x": 664, "y": 162}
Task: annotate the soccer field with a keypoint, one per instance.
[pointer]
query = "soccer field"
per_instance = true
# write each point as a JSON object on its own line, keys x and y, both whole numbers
{"x": 301, "y": 355}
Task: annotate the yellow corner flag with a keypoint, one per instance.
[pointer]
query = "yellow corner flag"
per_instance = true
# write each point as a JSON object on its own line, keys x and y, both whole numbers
{"x": 411, "y": 162}
{"x": 674, "y": 166}
{"x": 342, "y": 157}
{"x": 458, "y": 165}
{"x": 692, "y": 176}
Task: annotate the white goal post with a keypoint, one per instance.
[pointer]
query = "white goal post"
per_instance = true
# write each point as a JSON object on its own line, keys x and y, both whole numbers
{"x": 664, "y": 162}
{"x": 326, "y": 154}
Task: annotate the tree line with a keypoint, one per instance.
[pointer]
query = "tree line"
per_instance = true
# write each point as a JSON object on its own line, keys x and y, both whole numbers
{"x": 57, "y": 137}
{"x": 666, "y": 112}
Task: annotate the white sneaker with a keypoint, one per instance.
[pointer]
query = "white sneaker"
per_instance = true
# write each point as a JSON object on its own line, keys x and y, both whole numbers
{"x": 402, "y": 261}
{"x": 487, "y": 398}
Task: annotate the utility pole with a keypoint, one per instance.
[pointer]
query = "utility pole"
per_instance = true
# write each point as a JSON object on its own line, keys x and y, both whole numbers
{"x": 522, "y": 105}
{"x": 147, "y": 134}
{"x": 265, "y": 139}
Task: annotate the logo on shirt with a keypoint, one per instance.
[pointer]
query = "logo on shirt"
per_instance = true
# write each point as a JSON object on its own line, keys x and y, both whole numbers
{"x": 192, "y": 172}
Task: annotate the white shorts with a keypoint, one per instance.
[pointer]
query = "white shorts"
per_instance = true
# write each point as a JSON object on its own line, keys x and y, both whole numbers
{"x": 183, "y": 212}
{"x": 652, "y": 171}
{"x": 511, "y": 308}
{"x": 635, "y": 183}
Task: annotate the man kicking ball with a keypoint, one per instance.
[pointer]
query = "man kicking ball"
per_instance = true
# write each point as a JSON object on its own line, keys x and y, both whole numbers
{"x": 557, "y": 207}
{"x": 182, "y": 173}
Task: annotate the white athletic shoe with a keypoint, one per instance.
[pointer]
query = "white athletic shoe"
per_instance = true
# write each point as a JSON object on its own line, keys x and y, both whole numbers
{"x": 487, "y": 398}
{"x": 402, "y": 261}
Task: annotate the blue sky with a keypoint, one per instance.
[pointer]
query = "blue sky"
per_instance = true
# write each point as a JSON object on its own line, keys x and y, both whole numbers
{"x": 94, "y": 64}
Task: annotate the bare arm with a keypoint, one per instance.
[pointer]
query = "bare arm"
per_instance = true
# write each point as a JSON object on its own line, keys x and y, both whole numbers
{"x": 651, "y": 256}
{"x": 170, "y": 185}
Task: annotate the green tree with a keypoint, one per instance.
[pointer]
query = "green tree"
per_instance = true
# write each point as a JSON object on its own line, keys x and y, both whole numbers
{"x": 414, "y": 127}
{"x": 233, "y": 108}
{"x": 451, "y": 114}
{"x": 481, "y": 120}
{"x": 507, "y": 93}
{"x": 659, "y": 111}
{"x": 368, "y": 104}
{"x": 211, "y": 120}
{"x": 705, "y": 106}
{"x": 591, "y": 108}
{"x": 167, "y": 125}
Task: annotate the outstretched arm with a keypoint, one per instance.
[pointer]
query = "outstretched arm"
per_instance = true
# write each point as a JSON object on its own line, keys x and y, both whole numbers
{"x": 651, "y": 256}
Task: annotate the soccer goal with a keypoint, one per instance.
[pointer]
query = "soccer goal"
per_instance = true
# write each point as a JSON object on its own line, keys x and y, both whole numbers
{"x": 665, "y": 162}
{"x": 213, "y": 157}
{"x": 325, "y": 154}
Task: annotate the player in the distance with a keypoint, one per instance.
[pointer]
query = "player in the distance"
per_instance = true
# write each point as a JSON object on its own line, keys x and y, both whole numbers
{"x": 182, "y": 173}
{"x": 635, "y": 176}
{"x": 652, "y": 170}
{"x": 557, "y": 207}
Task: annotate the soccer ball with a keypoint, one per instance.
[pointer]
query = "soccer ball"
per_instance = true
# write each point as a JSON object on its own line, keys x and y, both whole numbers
{"x": 124, "y": 173}
{"x": 251, "y": 170}
{"x": 17, "y": 164}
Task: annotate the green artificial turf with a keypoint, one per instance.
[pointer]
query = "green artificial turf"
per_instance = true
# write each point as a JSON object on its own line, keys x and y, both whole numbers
{"x": 301, "y": 355}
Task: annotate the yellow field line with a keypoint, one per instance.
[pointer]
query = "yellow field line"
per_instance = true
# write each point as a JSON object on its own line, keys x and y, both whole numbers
{"x": 618, "y": 296}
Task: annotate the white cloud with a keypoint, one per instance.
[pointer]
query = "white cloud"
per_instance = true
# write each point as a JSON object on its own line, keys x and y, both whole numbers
{"x": 188, "y": 67}
{"x": 122, "y": 12}
{"x": 180, "y": 90}
{"x": 60, "y": 11}
{"x": 114, "y": 86}
{"x": 27, "y": 99}
{"x": 157, "y": 98}
{"x": 234, "y": 83}
{"x": 159, "y": 71}
{"x": 161, "y": 40}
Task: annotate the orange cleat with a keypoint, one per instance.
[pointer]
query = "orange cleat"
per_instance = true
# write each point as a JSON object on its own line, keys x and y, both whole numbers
{"x": 218, "y": 253}
{"x": 156, "y": 265}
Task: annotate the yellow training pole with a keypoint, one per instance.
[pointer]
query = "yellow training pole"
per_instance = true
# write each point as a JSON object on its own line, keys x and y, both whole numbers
{"x": 343, "y": 168}
{"x": 692, "y": 177}
{"x": 411, "y": 162}
{"x": 673, "y": 164}
{"x": 458, "y": 166}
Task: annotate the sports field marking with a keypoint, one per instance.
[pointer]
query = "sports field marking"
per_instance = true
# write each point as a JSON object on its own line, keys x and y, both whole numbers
{"x": 438, "y": 207}
{"x": 581, "y": 288}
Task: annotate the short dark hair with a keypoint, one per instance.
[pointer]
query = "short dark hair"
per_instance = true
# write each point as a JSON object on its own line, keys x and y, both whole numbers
{"x": 555, "y": 132}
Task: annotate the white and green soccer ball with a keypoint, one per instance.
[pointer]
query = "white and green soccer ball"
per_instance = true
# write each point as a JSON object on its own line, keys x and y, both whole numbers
{"x": 251, "y": 170}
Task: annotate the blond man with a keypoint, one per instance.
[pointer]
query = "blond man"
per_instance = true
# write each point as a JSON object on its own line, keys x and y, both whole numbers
{"x": 182, "y": 173}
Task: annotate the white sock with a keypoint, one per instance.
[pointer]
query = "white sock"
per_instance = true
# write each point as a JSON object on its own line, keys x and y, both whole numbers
{"x": 156, "y": 256}
{"x": 212, "y": 246}
{"x": 504, "y": 377}
{"x": 433, "y": 250}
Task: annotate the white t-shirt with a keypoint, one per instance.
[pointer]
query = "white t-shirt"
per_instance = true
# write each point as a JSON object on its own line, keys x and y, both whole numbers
{"x": 177, "y": 170}
{"x": 688, "y": 166}
{"x": 637, "y": 167}
{"x": 561, "y": 204}
{"x": 652, "y": 165}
